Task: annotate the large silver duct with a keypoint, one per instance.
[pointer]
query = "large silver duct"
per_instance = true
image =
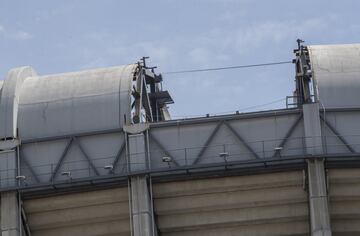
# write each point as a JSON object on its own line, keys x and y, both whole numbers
{"x": 34, "y": 106}
{"x": 335, "y": 73}
{"x": 75, "y": 102}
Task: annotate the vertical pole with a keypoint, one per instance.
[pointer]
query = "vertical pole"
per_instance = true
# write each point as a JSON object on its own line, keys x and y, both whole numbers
{"x": 52, "y": 171}
{"x": 19, "y": 185}
{"x": 130, "y": 208}
{"x": 263, "y": 148}
{"x": 185, "y": 152}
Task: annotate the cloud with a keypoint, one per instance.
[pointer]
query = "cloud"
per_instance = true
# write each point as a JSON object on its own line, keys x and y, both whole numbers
{"x": 245, "y": 38}
{"x": 18, "y": 35}
{"x": 21, "y": 35}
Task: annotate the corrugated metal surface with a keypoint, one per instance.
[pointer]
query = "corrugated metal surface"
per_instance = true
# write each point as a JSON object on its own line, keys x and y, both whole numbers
{"x": 266, "y": 204}
{"x": 100, "y": 213}
{"x": 75, "y": 102}
{"x": 336, "y": 72}
{"x": 344, "y": 192}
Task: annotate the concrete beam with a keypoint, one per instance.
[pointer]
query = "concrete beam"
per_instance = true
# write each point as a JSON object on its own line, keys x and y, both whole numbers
{"x": 141, "y": 207}
{"x": 318, "y": 198}
{"x": 312, "y": 129}
{"x": 140, "y": 198}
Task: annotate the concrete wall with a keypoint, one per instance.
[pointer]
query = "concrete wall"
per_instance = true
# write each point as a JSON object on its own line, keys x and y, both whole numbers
{"x": 102, "y": 212}
{"x": 344, "y": 193}
{"x": 269, "y": 204}
{"x": 265, "y": 204}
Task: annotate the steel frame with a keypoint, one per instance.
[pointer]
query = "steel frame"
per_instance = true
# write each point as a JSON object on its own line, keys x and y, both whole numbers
{"x": 77, "y": 142}
{"x": 241, "y": 139}
{"x": 153, "y": 138}
{"x": 28, "y": 166}
{"x": 61, "y": 160}
{"x": 118, "y": 155}
{"x": 207, "y": 142}
{"x": 64, "y": 154}
{"x": 338, "y": 135}
{"x": 212, "y": 135}
{"x": 193, "y": 170}
{"x": 287, "y": 135}
{"x": 221, "y": 120}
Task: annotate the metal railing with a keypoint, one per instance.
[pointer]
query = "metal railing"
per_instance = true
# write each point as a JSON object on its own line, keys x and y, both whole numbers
{"x": 158, "y": 160}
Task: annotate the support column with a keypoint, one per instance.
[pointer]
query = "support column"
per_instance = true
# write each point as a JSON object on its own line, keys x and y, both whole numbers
{"x": 318, "y": 198}
{"x": 141, "y": 203}
{"x": 10, "y": 214}
{"x": 141, "y": 207}
{"x": 312, "y": 129}
{"x": 9, "y": 156}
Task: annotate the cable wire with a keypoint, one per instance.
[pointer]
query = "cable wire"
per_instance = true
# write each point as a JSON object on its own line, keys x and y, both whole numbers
{"x": 228, "y": 67}
{"x": 232, "y": 111}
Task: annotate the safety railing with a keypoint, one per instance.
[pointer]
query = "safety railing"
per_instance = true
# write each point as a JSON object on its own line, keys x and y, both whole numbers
{"x": 218, "y": 154}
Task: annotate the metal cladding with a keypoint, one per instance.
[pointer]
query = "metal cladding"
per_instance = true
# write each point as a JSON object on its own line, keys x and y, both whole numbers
{"x": 336, "y": 74}
{"x": 64, "y": 104}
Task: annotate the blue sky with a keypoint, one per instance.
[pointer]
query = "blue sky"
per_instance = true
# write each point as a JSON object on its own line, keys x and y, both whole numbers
{"x": 70, "y": 35}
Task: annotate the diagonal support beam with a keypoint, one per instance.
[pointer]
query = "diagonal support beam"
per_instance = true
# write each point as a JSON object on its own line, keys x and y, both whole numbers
{"x": 287, "y": 135}
{"x": 86, "y": 156}
{"x": 59, "y": 164}
{"x": 32, "y": 172}
{"x": 152, "y": 137}
{"x": 338, "y": 135}
{"x": 118, "y": 155}
{"x": 238, "y": 136}
{"x": 25, "y": 221}
{"x": 208, "y": 141}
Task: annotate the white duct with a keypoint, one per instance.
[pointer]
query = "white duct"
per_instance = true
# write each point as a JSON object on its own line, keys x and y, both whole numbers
{"x": 336, "y": 74}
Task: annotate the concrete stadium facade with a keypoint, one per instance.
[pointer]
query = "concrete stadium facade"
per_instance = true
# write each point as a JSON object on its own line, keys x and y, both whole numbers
{"x": 96, "y": 153}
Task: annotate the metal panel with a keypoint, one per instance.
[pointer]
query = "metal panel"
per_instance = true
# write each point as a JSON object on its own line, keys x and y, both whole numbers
{"x": 346, "y": 124}
{"x": 336, "y": 73}
{"x": 260, "y": 135}
{"x": 61, "y": 104}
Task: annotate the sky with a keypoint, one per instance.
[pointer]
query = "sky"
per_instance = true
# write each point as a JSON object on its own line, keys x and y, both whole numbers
{"x": 72, "y": 35}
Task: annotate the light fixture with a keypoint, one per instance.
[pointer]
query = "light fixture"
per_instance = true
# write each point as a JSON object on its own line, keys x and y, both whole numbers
{"x": 278, "y": 150}
{"x": 66, "y": 173}
{"x": 20, "y": 177}
{"x": 224, "y": 155}
{"x": 110, "y": 168}
{"x": 167, "y": 160}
